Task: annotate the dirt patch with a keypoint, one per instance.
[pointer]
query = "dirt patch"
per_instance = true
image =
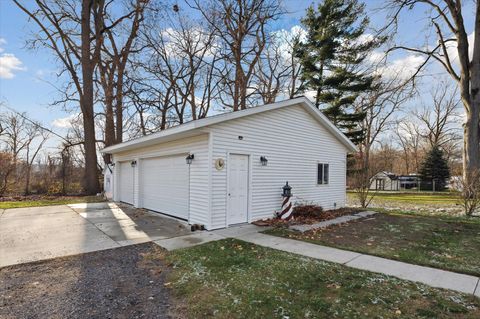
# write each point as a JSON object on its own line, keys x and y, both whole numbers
{"x": 309, "y": 215}
{"x": 127, "y": 282}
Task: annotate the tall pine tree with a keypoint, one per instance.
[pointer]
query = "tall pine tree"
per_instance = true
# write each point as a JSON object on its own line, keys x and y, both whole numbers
{"x": 332, "y": 57}
{"x": 434, "y": 169}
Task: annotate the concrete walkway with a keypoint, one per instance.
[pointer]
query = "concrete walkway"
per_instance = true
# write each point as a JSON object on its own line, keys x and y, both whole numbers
{"x": 430, "y": 276}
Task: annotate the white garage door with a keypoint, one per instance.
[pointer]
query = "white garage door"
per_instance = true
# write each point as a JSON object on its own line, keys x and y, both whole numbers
{"x": 126, "y": 184}
{"x": 164, "y": 185}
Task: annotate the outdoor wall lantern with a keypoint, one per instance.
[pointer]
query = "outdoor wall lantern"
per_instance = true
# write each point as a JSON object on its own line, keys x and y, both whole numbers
{"x": 133, "y": 163}
{"x": 263, "y": 160}
{"x": 189, "y": 158}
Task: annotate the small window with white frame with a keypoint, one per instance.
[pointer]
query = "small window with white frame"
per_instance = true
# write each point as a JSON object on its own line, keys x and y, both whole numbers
{"x": 322, "y": 173}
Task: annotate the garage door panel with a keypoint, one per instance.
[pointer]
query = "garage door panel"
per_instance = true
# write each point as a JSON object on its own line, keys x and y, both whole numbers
{"x": 126, "y": 186}
{"x": 164, "y": 185}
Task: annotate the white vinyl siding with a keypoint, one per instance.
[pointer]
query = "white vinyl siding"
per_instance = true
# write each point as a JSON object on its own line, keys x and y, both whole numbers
{"x": 198, "y": 177}
{"x": 294, "y": 143}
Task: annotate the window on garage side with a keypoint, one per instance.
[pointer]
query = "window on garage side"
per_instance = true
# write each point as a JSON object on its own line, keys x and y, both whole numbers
{"x": 322, "y": 173}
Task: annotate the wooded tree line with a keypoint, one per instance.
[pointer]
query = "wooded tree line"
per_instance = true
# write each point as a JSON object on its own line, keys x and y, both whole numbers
{"x": 140, "y": 66}
{"x": 26, "y": 167}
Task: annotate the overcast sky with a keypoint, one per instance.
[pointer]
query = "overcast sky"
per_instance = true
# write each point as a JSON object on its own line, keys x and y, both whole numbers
{"x": 27, "y": 78}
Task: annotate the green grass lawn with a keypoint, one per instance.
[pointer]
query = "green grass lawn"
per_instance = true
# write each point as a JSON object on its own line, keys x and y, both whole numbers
{"x": 446, "y": 243}
{"x": 55, "y": 200}
{"x": 235, "y": 279}
{"x": 416, "y": 198}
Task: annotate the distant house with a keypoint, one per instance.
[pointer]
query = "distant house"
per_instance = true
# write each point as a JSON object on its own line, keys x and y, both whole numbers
{"x": 385, "y": 181}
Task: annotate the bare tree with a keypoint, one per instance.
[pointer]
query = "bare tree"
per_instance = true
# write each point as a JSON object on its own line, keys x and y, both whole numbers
{"x": 22, "y": 140}
{"x": 13, "y": 134}
{"x": 410, "y": 139}
{"x": 440, "y": 120}
{"x": 278, "y": 70}
{"x": 469, "y": 193}
{"x": 174, "y": 80}
{"x": 195, "y": 46}
{"x": 37, "y": 137}
{"x": 451, "y": 51}
{"x": 379, "y": 106}
{"x": 67, "y": 29}
{"x": 113, "y": 63}
{"x": 7, "y": 167}
{"x": 241, "y": 26}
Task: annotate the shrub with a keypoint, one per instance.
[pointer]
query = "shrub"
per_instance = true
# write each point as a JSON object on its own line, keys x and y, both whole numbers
{"x": 55, "y": 188}
{"x": 469, "y": 193}
{"x": 307, "y": 211}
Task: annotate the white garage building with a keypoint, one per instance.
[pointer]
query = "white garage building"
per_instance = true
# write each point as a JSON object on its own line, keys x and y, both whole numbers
{"x": 239, "y": 163}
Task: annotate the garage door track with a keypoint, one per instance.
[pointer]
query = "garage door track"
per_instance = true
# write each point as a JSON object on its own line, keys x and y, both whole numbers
{"x": 37, "y": 233}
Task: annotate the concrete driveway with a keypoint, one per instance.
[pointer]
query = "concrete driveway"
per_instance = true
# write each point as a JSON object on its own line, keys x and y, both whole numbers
{"x": 37, "y": 233}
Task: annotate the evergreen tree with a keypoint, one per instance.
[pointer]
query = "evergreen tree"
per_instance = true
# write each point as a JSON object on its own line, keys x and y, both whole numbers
{"x": 434, "y": 168}
{"x": 332, "y": 59}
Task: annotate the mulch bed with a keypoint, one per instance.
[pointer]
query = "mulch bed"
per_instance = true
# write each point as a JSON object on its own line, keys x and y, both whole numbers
{"x": 308, "y": 215}
{"x": 126, "y": 282}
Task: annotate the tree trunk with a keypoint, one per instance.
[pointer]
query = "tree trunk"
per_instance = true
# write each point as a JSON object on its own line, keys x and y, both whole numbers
{"x": 471, "y": 138}
{"x": 470, "y": 93}
{"x": 27, "y": 180}
{"x": 119, "y": 108}
{"x": 471, "y": 147}
{"x": 238, "y": 82}
{"x": 91, "y": 184}
{"x": 109, "y": 127}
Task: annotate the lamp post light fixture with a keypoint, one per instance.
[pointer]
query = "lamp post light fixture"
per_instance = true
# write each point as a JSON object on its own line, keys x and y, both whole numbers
{"x": 287, "y": 190}
{"x": 263, "y": 160}
{"x": 189, "y": 158}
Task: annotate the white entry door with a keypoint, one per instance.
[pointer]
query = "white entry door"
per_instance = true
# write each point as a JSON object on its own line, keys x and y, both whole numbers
{"x": 237, "y": 207}
{"x": 126, "y": 183}
{"x": 164, "y": 185}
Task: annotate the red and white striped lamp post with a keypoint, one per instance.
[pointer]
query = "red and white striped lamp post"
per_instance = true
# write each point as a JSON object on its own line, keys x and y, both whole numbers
{"x": 287, "y": 206}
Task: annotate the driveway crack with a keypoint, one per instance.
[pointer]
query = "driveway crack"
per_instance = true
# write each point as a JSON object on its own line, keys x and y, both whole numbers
{"x": 116, "y": 242}
{"x": 477, "y": 286}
